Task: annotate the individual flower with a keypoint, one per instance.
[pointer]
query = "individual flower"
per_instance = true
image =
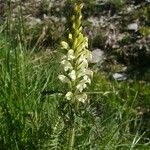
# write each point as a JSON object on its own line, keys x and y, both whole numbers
{"x": 87, "y": 79}
{"x": 72, "y": 75}
{"x": 70, "y": 36}
{"x": 83, "y": 83}
{"x": 79, "y": 49}
{"x": 81, "y": 72}
{"x": 86, "y": 41}
{"x": 67, "y": 65}
{"x": 63, "y": 79}
{"x": 82, "y": 97}
{"x": 81, "y": 86}
{"x": 89, "y": 73}
{"x": 64, "y": 45}
{"x": 83, "y": 63}
{"x": 70, "y": 54}
{"x": 69, "y": 95}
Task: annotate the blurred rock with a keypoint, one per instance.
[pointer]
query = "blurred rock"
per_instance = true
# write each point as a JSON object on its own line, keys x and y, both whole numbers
{"x": 32, "y": 21}
{"x": 147, "y": 1}
{"x": 97, "y": 56}
{"x": 120, "y": 76}
{"x": 133, "y": 26}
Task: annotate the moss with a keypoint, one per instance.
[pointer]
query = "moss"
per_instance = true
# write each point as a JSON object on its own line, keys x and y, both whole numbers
{"x": 145, "y": 30}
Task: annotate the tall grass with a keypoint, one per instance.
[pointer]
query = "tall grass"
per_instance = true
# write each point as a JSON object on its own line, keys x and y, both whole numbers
{"x": 21, "y": 105}
{"x": 25, "y": 112}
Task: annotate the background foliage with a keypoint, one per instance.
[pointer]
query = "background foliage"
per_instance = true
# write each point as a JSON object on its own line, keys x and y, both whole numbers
{"x": 31, "y": 106}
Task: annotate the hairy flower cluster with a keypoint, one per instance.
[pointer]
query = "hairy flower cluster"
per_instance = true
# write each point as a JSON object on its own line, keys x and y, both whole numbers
{"x": 75, "y": 61}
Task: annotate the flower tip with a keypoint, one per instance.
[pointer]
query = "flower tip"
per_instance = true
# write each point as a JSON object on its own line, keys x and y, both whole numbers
{"x": 64, "y": 45}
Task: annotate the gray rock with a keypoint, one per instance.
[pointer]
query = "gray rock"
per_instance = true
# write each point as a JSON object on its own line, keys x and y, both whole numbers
{"x": 133, "y": 26}
{"x": 97, "y": 56}
{"x": 32, "y": 21}
{"x": 148, "y": 1}
{"x": 120, "y": 76}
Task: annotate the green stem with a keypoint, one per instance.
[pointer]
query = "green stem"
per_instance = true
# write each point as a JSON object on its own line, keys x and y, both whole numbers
{"x": 71, "y": 138}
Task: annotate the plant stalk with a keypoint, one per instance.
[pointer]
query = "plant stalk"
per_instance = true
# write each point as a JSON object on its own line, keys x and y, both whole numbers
{"x": 71, "y": 138}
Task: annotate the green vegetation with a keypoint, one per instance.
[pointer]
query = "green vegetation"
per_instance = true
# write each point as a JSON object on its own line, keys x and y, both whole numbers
{"x": 35, "y": 115}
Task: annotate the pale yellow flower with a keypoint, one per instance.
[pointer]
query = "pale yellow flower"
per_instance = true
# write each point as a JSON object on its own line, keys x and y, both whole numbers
{"x": 79, "y": 48}
{"x": 87, "y": 79}
{"x": 67, "y": 65}
{"x": 82, "y": 97}
{"x": 63, "y": 79}
{"x": 70, "y": 54}
{"x": 87, "y": 54}
{"x": 75, "y": 61}
{"x": 86, "y": 41}
{"x": 72, "y": 75}
{"x": 81, "y": 86}
{"x": 69, "y": 95}
{"x": 81, "y": 72}
{"x": 83, "y": 63}
{"x": 89, "y": 73}
{"x": 64, "y": 45}
{"x": 70, "y": 36}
